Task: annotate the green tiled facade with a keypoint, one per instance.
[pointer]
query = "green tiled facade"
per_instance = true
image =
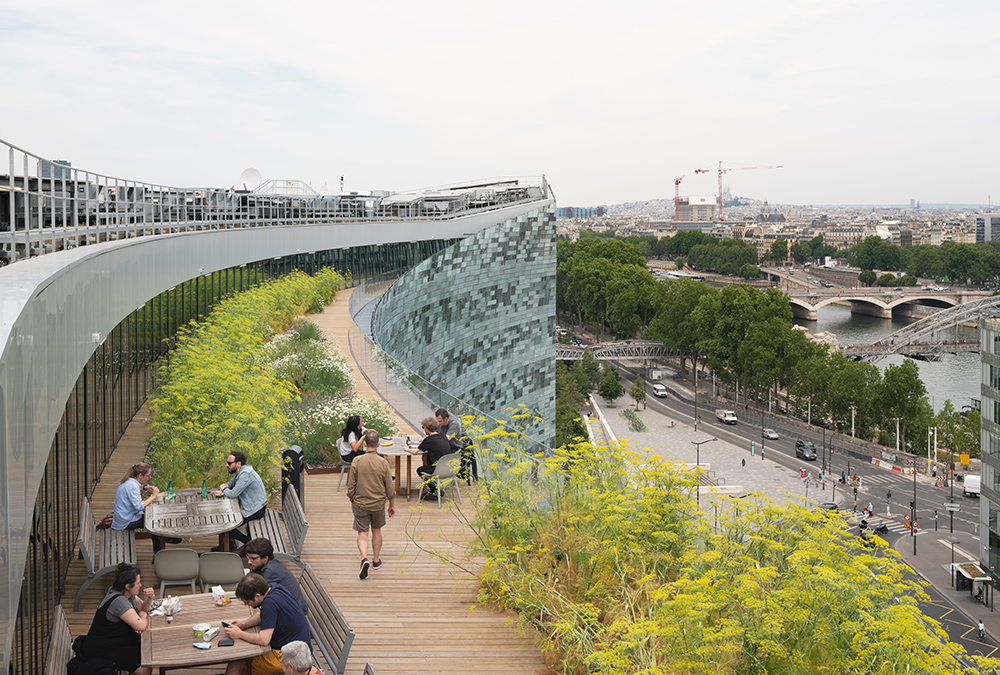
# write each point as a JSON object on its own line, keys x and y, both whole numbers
{"x": 478, "y": 318}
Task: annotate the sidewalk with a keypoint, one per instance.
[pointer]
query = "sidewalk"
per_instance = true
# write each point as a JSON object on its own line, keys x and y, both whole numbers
{"x": 673, "y": 439}
{"x": 932, "y": 563}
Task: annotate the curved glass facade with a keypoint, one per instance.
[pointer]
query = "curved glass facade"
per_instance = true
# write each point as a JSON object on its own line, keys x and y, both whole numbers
{"x": 478, "y": 319}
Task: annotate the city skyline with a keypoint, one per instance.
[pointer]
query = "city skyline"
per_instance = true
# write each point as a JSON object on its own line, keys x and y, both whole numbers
{"x": 861, "y": 103}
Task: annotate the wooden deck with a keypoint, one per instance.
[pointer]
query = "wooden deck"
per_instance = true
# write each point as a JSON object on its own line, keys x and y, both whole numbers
{"x": 412, "y": 616}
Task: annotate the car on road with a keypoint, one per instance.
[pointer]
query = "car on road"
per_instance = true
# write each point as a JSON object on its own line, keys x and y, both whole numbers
{"x": 770, "y": 434}
{"x": 898, "y": 288}
{"x": 805, "y": 450}
{"x": 828, "y": 506}
{"x": 659, "y": 391}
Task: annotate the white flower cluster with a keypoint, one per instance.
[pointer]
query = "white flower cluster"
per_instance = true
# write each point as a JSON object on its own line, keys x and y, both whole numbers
{"x": 334, "y": 413}
{"x": 315, "y": 361}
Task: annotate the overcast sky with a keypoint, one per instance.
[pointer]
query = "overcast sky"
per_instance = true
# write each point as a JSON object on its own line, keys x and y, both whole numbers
{"x": 864, "y": 102}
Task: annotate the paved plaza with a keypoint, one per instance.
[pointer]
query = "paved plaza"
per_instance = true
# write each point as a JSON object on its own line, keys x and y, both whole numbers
{"x": 673, "y": 438}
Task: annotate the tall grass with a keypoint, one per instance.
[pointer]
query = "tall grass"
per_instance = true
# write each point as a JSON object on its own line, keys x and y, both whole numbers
{"x": 605, "y": 552}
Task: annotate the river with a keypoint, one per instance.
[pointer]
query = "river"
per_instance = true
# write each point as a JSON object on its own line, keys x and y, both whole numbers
{"x": 955, "y": 376}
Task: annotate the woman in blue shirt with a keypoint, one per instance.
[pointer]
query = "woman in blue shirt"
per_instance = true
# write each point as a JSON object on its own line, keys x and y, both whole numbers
{"x": 130, "y": 507}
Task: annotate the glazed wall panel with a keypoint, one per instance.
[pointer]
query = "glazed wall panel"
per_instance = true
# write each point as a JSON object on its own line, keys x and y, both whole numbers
{"x": 478, "y": 318}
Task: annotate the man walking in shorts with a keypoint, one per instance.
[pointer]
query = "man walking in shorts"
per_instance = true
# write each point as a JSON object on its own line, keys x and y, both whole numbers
{"x": 369, "y": 485}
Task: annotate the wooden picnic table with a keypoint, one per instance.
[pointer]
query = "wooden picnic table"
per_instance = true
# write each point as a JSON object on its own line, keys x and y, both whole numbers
{"x": 398, "y": 450}
{"x": 188, "y": 515}
{"x": 167, "y": 646}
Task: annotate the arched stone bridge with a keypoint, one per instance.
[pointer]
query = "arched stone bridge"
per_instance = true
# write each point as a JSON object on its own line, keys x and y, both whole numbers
{"x": 875, "y": 301}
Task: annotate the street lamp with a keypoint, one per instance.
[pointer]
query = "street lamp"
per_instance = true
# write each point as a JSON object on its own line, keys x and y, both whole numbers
{"x": 913, "y": 518}
{"x": 954, "y": 540}
{"x": 853, "y": 409}
{"x": 697, "y": 462}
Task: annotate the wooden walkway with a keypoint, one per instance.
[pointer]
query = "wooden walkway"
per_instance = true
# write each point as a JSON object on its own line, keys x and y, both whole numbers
{"x": 415, "y": 615}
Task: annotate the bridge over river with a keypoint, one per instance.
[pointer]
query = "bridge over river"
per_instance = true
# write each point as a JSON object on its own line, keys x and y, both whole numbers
{"x": 916, "y": 340}
{"x": 877, "y": 302}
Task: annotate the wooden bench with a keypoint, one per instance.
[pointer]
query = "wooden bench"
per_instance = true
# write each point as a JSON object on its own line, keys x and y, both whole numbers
{"x": 285, "y": 529}
{"x": 60, "y": 648}
{"x": 101, "y": 550}
{"x": 327, "y": 625}
{"x": 370, "y": 669}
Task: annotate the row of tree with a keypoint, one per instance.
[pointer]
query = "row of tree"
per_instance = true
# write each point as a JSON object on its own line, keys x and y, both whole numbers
{"x": 958, "y": 262}
{"x": 746, "y": 338}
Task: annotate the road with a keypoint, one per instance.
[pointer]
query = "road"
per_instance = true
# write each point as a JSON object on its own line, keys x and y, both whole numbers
{"x": 875, "y": 482}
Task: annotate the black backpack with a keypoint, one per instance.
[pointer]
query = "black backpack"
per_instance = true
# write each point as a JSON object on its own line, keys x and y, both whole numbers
{"x": 80, "y": 666}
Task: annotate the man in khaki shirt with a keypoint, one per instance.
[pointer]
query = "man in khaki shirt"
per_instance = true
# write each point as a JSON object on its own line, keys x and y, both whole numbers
{"x": 369, "y": 485}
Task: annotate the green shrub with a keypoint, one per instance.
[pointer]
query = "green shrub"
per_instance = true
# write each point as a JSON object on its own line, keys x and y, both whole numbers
{"x": 606, "y": 553}
{"x": 216, "y": 396}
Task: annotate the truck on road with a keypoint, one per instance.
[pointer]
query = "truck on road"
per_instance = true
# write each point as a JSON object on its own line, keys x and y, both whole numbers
{"x": 971, "y": 485}
{"x": 726, "y": 416}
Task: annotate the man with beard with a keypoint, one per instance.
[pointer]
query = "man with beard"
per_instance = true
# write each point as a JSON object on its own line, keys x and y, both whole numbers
{"x": 248, "y": 488}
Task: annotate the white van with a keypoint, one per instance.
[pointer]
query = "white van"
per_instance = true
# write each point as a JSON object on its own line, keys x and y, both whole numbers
{"x": 972, "y": 484}
{"x": 659, "y": 391}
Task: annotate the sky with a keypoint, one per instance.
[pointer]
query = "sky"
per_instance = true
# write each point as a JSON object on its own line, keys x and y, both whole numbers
{"x": 859, "y": 102}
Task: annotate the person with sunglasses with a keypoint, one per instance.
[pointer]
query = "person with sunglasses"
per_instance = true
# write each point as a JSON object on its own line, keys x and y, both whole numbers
{"x": 248, "y": 488}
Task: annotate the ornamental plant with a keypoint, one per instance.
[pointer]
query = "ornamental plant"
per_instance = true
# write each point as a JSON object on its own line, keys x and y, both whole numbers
{"x": 215, "y": 394}
{"x": 316, "y": 416}
{"x": 606, "y": 554}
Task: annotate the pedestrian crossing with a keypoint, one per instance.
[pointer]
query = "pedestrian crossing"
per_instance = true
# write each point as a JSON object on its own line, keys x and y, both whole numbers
{"x": 895, "y": 523}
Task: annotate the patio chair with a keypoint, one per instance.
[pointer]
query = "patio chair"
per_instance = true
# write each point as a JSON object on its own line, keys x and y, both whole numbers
{"x": 175, "y": 567}
{"x": 448, "y": 467}
{"x": 220, "y": 569}
{"x": 345, "y": 467}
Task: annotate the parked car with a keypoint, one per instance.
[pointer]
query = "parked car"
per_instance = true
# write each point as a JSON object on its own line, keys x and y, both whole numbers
{"x": 770, "y": 434}
{"x": 805, "y": 450}
{"x": 659, "y": 391}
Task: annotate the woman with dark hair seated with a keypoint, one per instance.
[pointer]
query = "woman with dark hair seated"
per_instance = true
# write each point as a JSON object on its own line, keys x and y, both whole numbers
{"x": 352, "y": 438}
{"x": 121, "y": 618}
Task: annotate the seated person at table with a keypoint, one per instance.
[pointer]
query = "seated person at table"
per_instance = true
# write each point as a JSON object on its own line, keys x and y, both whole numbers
{"x": 248, "y": 488}
{"x": 130, "y": 507}
{"x": 280, "y": 618}
{"x": 449, "y": 427}
{"x": 436, "y": 446}
{"x": 352, "y": 438}
{"x": 119, "y": 621}
{"x": 260, "y": 559}
{"x": 296, "y": 659}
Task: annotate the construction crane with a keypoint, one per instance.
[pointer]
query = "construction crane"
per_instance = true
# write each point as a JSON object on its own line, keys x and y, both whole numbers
{"x": 734, "y": 168}
{"x": 677, "y": 195}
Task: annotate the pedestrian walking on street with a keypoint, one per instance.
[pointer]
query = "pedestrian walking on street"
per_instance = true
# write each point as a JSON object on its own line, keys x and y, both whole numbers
{"x": 982, "y": 631}
{"x": 744, "y": 463}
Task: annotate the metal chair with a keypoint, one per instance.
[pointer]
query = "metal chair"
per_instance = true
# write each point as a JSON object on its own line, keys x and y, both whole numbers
{"x": 176, "y": 566}
{"x": 220, "y": 569}
{"x": 448, "y": 467}
{"x": 345, "y": 467}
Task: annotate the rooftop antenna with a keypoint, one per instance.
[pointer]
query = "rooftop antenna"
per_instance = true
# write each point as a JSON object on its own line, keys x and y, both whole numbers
{"x": 341, "y": 183}
{"x": 250, "y": 179}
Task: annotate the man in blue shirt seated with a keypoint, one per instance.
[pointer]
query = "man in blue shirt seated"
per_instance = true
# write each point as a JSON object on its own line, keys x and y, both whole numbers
{"x": 260, "y": 559}
{"x": 281, "y": 621}
{"x": 248, "y": 488}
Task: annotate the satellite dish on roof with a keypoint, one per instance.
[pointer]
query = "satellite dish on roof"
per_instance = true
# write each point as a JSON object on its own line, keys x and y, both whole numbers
{"x": 324, "y": 190}
{"x": 250, "y": 178}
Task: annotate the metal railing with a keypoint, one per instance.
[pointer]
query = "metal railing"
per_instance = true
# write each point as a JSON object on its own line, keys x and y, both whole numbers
{"x": 48, "y": 205}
